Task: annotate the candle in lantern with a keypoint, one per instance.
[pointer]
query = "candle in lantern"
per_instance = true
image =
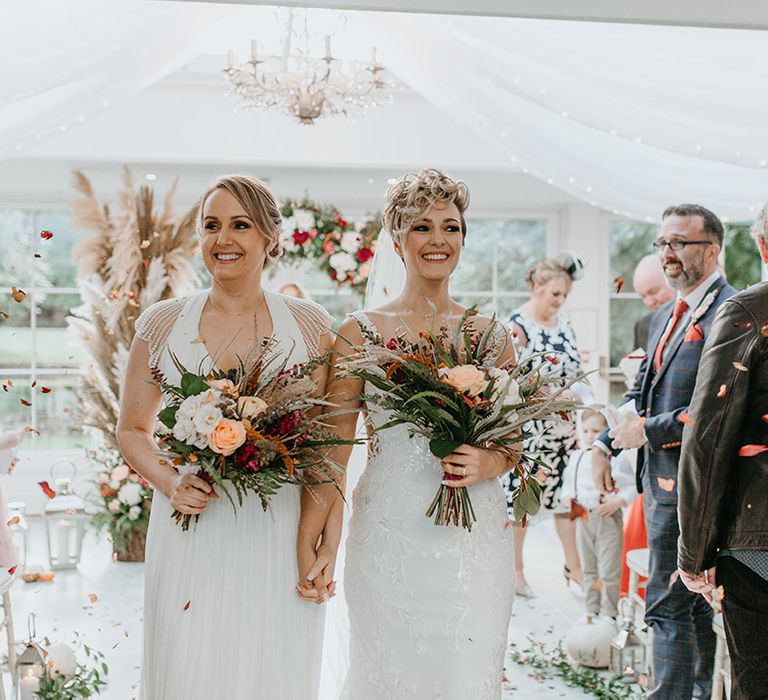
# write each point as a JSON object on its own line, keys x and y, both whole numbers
{"x": 62, "y": 539}
{"x": 231, "y": 59}
{"x": 328, "y": 46}
{"x": 254, "y": 50}
{"x": 373, "y": 56}
{"x": 29, "y": 686}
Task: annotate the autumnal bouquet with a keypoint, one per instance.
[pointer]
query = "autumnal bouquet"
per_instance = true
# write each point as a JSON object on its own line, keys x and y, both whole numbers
{"x": 123, "y": 499}
{"x": 447, "y": 388}
{"x": 250, "y": 429}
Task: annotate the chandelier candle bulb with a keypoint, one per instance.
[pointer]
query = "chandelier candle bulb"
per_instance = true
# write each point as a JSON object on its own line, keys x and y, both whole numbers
{"x": 373, "y": 56}
{"x": 254, "y": 51}
{"x": 232, "y": 61}
{"x": 327, "y": 47}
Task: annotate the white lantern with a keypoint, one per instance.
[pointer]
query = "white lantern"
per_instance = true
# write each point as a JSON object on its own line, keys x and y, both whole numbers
{"x": 30, "y": 666}
{"x": 65, "y": 519}
{"x": 627, "y": 649}
{"x": 20, "y": 530}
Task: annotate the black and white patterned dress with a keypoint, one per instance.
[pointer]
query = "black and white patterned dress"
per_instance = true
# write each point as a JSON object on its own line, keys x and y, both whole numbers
{"x": 552, "y": 442}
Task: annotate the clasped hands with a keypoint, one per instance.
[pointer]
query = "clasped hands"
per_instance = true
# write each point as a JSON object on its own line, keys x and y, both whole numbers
{"x": 473, "y": 464}
{"x": 317, "y": 585}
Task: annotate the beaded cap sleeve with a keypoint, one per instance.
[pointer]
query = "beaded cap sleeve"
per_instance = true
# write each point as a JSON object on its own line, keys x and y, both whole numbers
{"x": 312, "y": 319}
{"x": 155, "y": 323}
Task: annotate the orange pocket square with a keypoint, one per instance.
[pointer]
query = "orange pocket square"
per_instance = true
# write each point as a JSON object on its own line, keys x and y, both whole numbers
{"x": 694, "y": 333}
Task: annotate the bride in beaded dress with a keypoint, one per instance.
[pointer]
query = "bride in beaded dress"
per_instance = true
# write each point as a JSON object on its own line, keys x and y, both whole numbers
{"x": 221, "y": 616}
{"x": 428, "y": 606}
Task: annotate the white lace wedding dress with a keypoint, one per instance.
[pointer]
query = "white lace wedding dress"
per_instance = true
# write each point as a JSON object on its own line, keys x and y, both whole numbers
{"x": 428, "y": 606}
{"x": 221, "y": 618}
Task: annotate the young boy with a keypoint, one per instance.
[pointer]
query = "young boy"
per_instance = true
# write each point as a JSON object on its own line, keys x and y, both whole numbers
{"x": 600, "y": 528}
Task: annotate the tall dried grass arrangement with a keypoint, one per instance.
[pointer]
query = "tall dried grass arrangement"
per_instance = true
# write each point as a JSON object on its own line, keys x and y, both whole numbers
{"x": 129, "y": 260}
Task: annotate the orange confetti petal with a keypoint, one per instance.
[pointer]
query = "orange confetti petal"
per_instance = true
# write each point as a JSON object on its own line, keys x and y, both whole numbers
{"x": 15, "y": 520}
{"x": 598, "y": 585}
{"x": 18, "y": 295}
{"x": 666, "y": 484}
{"x": 46, "y": 235}
{"x": 4, "y": 315}
{"x": 740, "y": 367}
{"x": 47, "y": 490}
{"x": 685, "y": 419}
{"x": 30, "y": 429}
{"x": 719, "y": 593}
{"x": 765, "y": 417}
{"x": 33, "y": 384}
{"x": 186, "y": 605}
{"x": 93, "y": 597}
{"x": 24, "y": 402}
{"x": 46, "y": 389}
{"x": 722, "y": 391}
{"x": 619, "y": 282}
{"x": 752, "y": 450}
{"x": 145, "y": 244}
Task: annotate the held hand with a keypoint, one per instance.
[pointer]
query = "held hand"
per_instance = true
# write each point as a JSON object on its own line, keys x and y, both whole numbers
{"x": 473, "y": 464}
{"x": 630, "y": 433}
{"x": 189, "y": 494}
{"x": 601, "y": 471}
{"x": 317, "y": 584}
{"x": 610, "y": 505}
{"x": 703, "y": 583}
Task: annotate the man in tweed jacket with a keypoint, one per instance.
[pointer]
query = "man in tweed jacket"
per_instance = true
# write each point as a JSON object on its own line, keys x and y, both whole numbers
{"x": 723, "y": 503}
{"x": 689, "y": 242}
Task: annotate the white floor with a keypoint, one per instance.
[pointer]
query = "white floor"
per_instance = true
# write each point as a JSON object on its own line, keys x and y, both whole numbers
{"x": 112, "y": 623}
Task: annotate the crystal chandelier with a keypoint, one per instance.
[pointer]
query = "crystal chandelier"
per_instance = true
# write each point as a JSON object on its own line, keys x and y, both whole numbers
{"x": 303, "y": 86}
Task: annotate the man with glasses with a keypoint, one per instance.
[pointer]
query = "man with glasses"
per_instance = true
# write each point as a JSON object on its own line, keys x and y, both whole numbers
{"x": 689, "y": 242}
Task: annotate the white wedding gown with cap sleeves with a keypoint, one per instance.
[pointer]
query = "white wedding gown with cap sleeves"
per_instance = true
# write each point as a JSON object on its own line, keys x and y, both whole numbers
{"x": 429, "y": 606}
{"x": 245, "y": 634}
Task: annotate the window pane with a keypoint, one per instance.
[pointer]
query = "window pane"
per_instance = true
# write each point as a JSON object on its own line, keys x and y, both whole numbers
{"x": 55, "y": 345}
{"x": 15, "y": 335}
{"x": 56, "y": 263}
{"x": 624, "y": 314}
{"x": 17, "y": 259}
{"x": 475, "y": 270}
{"x": 57, "y": 418}
{"x": 506, "y": 305}
{"x": 520, "y": 243}
{"x": 13, "y": 414}
{"x": 742, "y": 259}
{"x": 631, "y": 241}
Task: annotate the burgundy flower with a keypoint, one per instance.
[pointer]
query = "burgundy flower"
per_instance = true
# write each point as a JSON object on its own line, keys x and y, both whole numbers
{"x": 341, "y": 222}
{"x": 364, "y": 254}
{"x": 300, "y": 237}
{"x": 391, "y": 344}
{"x": 248, "y": 457}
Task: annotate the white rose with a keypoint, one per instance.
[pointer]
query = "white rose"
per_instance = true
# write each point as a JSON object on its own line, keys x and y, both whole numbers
{"x": 61, "y": 660}
{"x": 206, "y": 418}
{"x": 114, "y": 505}
{"x": 287, "y": 228}
{"x": 208, "y": 396}
{"x": 251, "y": 406}
{"x": 184, "y": 430}
{"x": 134, "y": 513}
{"x": 305, "y": 219}
{"x": 130, "y": 494}
{"x": 350, "y": 241}
{"x": 121, "y": 472}
{"x": 342, "y": 262}
{"x": 513, "y": 394}
{"x": 114, "y": 484}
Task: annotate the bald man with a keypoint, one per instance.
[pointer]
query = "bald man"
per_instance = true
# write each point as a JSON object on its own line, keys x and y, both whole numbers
{"x": 651, "y": 284}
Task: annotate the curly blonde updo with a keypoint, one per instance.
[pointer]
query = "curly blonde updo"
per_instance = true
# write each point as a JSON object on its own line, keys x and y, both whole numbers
{"x": 259, "y": 204}
{"x": 412, "y": 196}
{"x": 565, "y": 265}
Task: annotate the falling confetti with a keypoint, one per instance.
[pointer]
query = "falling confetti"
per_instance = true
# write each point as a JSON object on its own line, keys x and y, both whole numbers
{"x": 30, "y": 429}
{"x": 46, "y": 235}
{"x": 685, "y": 419}
{"x": 740, "y": 367}
{"x": 722, "y": 391}
{"x": 765, "y": 417}
{"x": 37, "y": 255}
{"x": 666, "y": 484}
{"x": 15, "y": 520}
{"x": 18, "y": 295}
{"x": 752, "y": 450}
{"x": 719, "y": 593}
{"x": 46, "y": 389}
{"x": 598, "y": 585}
{"x": 619, "y": 282}
{"x": 24, "y": 402}
{"x": 47, "y": 490}
{"x": 743, "y": 324}
{"x": 764, "y": 330}
{"x": 34, "y": 384}
{"x": 145, "y": 244}
{"x": 186, "y": 605}
{"x": 93, "y": 597}
{"x": 4, "y": 315}
{"x": 12, "y": 571}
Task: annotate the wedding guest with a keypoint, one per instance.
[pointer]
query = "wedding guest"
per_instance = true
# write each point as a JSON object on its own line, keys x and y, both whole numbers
{"x": 690, "y": 239}
{"x": 293, "y": 289}
{"x": 598, "y": 517}
{"x": 723, "y": 492}
{"x": 654, "y": 290}
{"x": 540, "y": 326}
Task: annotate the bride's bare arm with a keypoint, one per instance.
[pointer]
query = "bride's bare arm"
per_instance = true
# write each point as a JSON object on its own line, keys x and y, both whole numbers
{"x": 323, "y": 515}
{"x": 135, "y": 428}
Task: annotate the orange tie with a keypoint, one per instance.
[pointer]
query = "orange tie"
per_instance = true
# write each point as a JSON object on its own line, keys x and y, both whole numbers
{"x": 677, "y": 313}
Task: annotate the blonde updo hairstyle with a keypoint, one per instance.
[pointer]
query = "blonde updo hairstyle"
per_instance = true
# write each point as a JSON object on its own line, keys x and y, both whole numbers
{"x": 259, "y": 204}
{"x": 412, "y": 196}
{"x": 565, "y": 265}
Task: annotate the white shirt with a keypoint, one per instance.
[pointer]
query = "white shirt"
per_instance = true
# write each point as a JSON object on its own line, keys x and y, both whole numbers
{"x": 693, "y": 299}
{"x": 578, "y": 483}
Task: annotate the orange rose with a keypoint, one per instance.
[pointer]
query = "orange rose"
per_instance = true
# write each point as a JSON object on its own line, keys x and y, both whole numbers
{"x": 466, "y": 378}
{"x": 226, "y": 436}
{"x": 225, "y": 386}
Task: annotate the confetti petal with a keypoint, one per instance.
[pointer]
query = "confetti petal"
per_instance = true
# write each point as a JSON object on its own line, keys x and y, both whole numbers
{"x": 719, "y": 593}
{"x": 46, "y": 235}
{"x": 722, "y": 391}
{"x": 34, "y": 384}
{"x": 4, "y": 315}
{"x": 186, "y": 605}
{"x": 685, "y": 419}
{"x": 47, "y": 490}
{"x": 93, "y": 597}
{"x": 145, "y": 244}
{"x": 12, "y": 570}
{"x": 15, "y": 520}
{"x": 740, "y": 367}
{"x": 619, "y": 282}
{"x": 46, "y": 389}
{"x": 667, "y": 484}
{"x": 752, "y": 450}
{"x": 18, "y": 295}
{"x": 24, "y": 402}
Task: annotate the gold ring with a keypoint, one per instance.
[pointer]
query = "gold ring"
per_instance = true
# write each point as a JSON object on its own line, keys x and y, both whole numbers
{"x": 463, "y": 471}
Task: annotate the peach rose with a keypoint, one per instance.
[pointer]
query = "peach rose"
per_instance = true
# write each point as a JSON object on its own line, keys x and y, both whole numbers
{"x": 251, "y": 406}
{"x": 226, "y": 436}
{"x": 225, "y": 386}
{"x": 466, "y": 378}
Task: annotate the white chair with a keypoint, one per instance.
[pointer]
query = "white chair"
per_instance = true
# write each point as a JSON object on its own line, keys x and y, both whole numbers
{"x": 721, "y": 676}
{"x": 7, "y": 623}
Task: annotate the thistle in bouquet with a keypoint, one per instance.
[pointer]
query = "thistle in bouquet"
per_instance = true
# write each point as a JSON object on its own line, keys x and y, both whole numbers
{"x": 448, "y": 388}
{"x": 250, "y": 430}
